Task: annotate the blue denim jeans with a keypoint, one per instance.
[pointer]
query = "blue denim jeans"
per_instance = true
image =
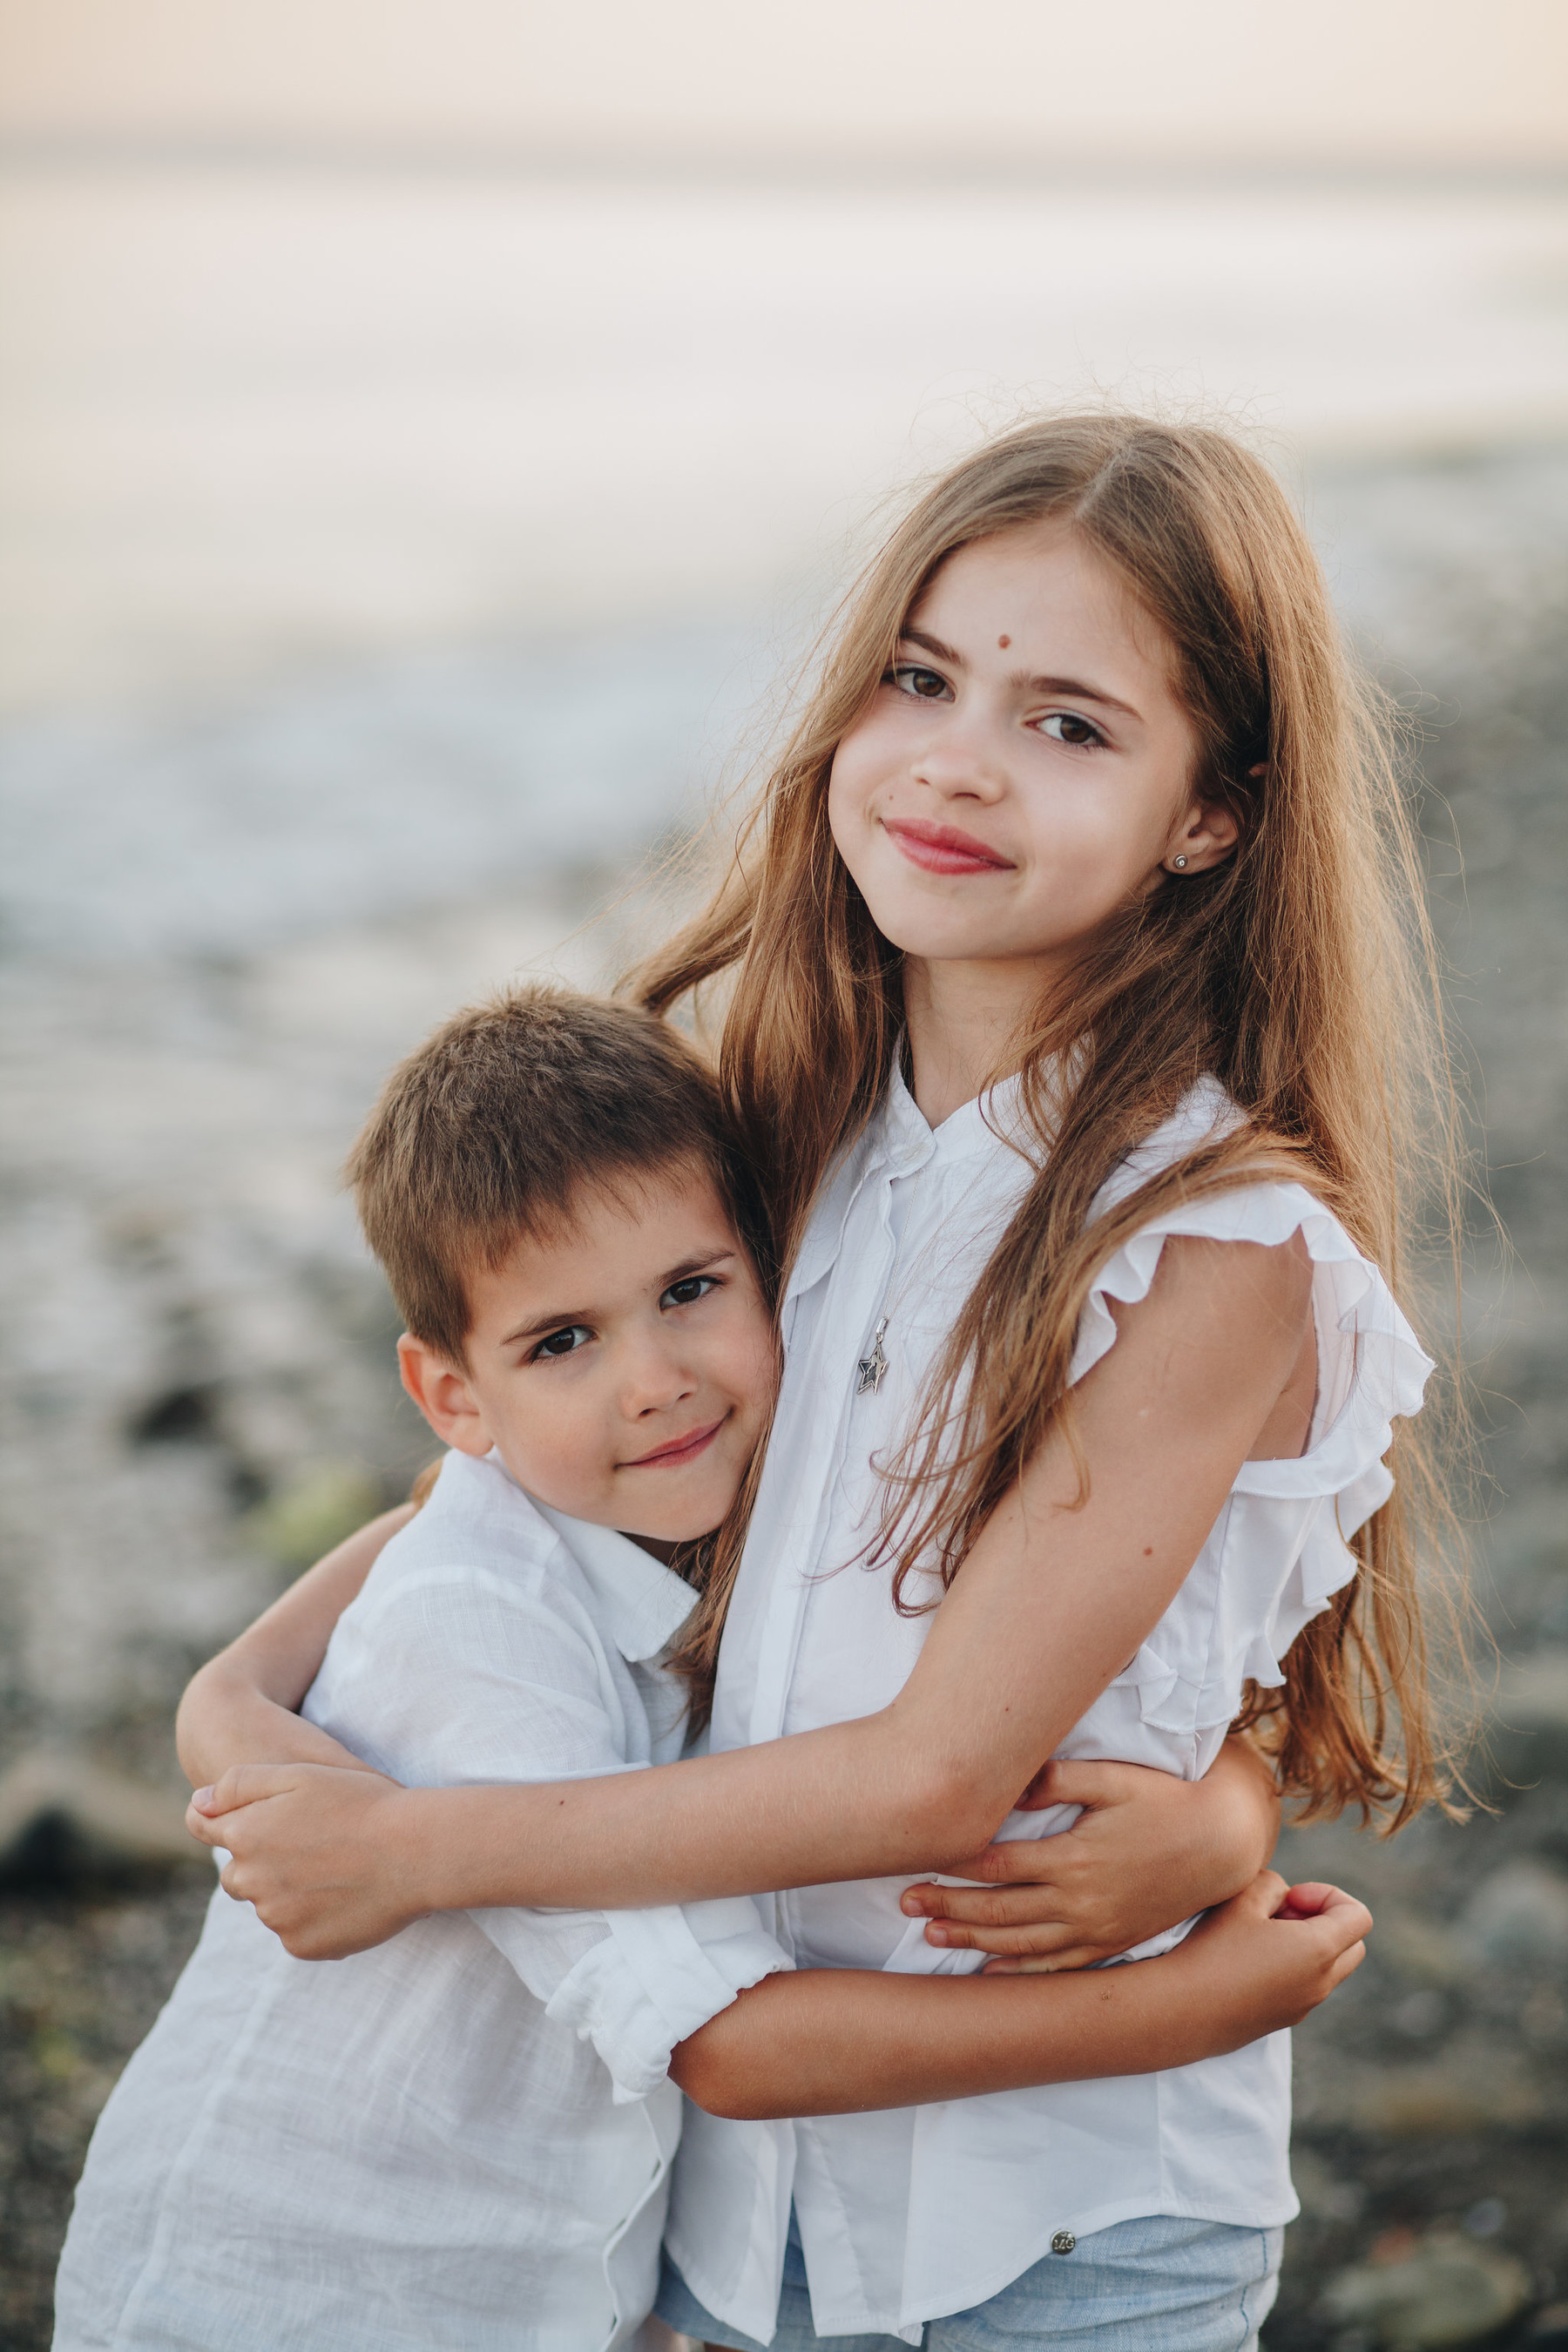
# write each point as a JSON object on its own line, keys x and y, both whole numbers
{"x": 1156, "y": 2284}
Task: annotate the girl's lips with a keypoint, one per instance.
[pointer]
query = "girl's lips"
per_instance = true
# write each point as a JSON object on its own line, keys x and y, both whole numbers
{"x": 941, "y": 849}
{"x": 678, "y": 1450}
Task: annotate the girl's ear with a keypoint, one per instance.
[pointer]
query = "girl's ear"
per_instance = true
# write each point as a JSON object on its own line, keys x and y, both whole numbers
{"x": 443, "y": 1395}
{"x": 1206, "y": 834}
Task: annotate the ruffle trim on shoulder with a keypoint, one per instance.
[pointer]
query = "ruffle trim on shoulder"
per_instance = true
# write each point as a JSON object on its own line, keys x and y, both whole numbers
{"x": 1280, "y": 1549}
{"x": 1390, "y": 1367}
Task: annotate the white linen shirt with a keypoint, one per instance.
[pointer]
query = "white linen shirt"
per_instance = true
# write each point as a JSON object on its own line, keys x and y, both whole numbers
{"x": 910, "y": 2214}
{"x": 461, "y": 2139}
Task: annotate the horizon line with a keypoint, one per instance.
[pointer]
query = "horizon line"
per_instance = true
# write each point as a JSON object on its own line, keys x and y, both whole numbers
{"x": 827, "y": 163}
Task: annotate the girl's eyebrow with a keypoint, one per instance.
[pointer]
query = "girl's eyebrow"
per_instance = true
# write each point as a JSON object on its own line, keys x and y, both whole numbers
{"x": 1024, "y": 679}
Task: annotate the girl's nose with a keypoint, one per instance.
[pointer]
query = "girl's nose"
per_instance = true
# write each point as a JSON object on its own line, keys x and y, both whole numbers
{"x": 962, "y": 762}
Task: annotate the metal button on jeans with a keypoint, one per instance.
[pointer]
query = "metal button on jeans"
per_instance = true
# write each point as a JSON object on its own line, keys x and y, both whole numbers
{"x": 1063, "y": 2242}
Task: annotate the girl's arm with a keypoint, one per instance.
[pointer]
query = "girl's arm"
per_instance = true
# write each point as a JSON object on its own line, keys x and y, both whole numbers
{"x": 1056, "y": 1594}
{"x": 1146, "y": 1851}
{"x": 835, "y": 2041}
{"x": 242, "y": 1703}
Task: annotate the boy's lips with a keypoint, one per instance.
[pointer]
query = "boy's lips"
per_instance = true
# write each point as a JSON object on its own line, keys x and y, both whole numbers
{"x": 942, "y": 849}
{"x": 677, "y": 1451}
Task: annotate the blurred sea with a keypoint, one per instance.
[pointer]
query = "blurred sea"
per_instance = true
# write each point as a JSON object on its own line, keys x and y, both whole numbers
{"x": 390, "y": 566}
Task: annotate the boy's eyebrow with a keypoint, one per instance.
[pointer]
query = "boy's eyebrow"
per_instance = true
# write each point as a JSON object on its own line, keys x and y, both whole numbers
{"x": 539, "y": 1325}
{"x": 700, "y": 1265}
{"x": 1024, "y": 679}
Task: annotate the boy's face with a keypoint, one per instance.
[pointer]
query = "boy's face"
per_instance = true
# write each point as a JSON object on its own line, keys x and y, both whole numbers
{"x": 624, "y": 1368}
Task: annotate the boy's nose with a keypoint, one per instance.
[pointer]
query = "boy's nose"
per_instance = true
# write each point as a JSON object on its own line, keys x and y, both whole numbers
{"x": 652, "y": 1379}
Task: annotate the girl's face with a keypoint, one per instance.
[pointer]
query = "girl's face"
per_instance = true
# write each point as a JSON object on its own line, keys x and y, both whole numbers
{"x": 1025, "y": 768}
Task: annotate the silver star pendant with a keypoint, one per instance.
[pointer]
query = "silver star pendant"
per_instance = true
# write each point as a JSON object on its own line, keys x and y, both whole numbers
{"x": 873, "y": 1365}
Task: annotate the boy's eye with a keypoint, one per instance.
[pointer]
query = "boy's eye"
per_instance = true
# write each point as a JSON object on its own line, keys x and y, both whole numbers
{"x": 688, "y": 1293}
{"x": 562, "y": 1343}
{"x": 922, "y": 685}
{"x": 1067, "y": 727}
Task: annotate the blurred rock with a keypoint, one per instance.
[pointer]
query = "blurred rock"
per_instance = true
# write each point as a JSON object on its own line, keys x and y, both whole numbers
{"x": 1529, "y": 1735}
{"x": 65, "y": 1821}
{"x": 1517, "y": 1918}
{"x": 314, "y": 1512}
{"x": 1443, "y": 2293}
{"x": 1325, "y": 2197}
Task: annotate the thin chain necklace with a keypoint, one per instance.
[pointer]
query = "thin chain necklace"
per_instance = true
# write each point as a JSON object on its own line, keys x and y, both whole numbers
{"x": 872, "y": 1370}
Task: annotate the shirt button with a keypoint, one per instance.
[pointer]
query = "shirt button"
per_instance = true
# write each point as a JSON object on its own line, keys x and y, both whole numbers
{"x": 1063, "y": 2242}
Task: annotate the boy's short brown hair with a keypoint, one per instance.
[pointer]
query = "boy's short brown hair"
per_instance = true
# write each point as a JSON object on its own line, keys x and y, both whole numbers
{"x": 489, "y": 1132}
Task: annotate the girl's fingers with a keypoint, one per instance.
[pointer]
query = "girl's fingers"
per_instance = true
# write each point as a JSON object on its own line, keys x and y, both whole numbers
{"x": 1040, "y": 1935}
{"x": 1346, "y": 1965}
{"x": 1078, "y": 1784}
{"x": 986, "y": 1906}
{"x": 1019, "y": 1862}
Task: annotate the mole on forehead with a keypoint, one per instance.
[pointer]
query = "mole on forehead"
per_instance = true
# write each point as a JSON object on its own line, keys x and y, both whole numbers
{"x": 1004, "y": 643}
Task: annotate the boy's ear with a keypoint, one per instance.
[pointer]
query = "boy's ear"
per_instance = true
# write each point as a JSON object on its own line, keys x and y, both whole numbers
{"x": 443, "y": 1395}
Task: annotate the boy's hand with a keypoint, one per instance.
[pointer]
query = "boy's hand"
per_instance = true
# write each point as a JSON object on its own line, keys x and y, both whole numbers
{"x": 1267, "y": 1958}
{"x": 315, "y": 1849}
{"x": 1147, "y": 1851}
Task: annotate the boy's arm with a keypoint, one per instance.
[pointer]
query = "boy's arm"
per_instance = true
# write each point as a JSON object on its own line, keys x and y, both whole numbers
{"x": 462, "y": 1673}
{"x": 839, "y": 2041}
{"x": 241, "y": 1707}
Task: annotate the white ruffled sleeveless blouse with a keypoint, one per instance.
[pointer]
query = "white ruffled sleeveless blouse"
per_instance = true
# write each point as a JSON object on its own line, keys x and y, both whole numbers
{"x": 909, "y": 2215}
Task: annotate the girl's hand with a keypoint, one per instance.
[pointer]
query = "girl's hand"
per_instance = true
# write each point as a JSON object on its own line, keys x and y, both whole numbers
{"x": 1265, "y": 1960}
{"x": 1147, "y": 1851}
{"x": 318, "y": 1850}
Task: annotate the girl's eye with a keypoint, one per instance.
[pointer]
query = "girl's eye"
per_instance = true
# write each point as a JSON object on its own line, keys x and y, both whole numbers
{"x": 562, "y": 1343}
{"x": 920, "y": 685}
{"x": 688, "y": 1293}
{"x": 1067, "y": 727}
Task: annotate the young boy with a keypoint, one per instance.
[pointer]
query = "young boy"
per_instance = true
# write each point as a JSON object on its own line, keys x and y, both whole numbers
{"x": 462, "y": 2138}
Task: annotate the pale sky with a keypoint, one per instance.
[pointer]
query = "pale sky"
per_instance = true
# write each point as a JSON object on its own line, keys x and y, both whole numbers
{"x": 1386, "y": 83}
{"x": 250, "y": 417}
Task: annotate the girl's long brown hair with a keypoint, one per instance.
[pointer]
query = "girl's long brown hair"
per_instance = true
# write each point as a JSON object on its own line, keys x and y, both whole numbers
{"x": 1300, "y": 974}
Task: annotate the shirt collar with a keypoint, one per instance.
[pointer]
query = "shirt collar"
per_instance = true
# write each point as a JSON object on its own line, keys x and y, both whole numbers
{"x": 992, "y": 1121}
{"x": 642, "y": 1603}
{"x": 898, "y": 1140}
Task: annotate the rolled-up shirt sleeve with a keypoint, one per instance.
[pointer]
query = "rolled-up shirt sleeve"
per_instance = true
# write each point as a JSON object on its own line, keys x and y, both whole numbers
{"x": 642, "y": 1987}
{"x": 511, "y": 1688}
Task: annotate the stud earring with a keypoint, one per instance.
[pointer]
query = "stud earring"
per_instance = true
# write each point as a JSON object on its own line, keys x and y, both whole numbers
{"x": 1180, "y": 864}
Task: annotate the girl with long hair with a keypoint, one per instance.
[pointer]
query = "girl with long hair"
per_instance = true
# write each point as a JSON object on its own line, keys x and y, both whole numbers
{"x": 1077, "y": 1007}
